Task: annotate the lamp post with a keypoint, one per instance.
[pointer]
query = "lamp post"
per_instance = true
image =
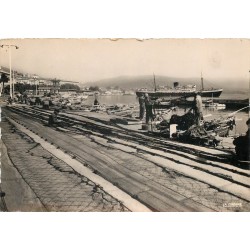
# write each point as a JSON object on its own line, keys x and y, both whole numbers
{"x": 9, "y": 48}
{"x": 249, "y": 95}
{"x": 35, "y": 77}
{"x": 13, "y": 84}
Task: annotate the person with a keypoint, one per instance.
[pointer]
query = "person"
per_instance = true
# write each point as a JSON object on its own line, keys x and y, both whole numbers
{"x": 37, "y": 101}
{"x": 242, "y": 145}
{"x": 142, "y": 106}
{"x": 53, "y": 121}
{"x": 197, "y": 108}
{"x": 10, "y": 100}
{"x": 96, "y": 100}
{"x": 46, "y": 103}
{"x": 32, "y": 100}
{"x": 25, "y": 98}
{"x": 149, "y": 108}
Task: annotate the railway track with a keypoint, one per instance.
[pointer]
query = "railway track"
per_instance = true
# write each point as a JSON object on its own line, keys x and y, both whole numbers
{"x": 166, "y": 161}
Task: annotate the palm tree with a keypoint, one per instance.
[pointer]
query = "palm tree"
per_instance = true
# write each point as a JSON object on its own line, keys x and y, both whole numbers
{"x": 3, "y": 79}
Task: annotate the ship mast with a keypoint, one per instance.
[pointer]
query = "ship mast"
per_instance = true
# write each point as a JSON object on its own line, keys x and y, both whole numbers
{"x": 154, "y": 83}
{"x": 202, "y": 86}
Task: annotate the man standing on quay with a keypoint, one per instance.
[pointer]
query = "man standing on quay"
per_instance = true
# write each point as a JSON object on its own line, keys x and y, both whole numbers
{"x": 149, "y": 108}
{"x": 142, "y": 106}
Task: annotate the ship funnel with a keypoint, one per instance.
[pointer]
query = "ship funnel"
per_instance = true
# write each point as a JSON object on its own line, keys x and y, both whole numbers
{"x": 176, "y": 84}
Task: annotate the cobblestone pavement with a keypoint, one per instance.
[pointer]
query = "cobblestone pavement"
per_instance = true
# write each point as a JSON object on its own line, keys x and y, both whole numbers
{"x": 192, "y": 189}
{"x": 193, "y": 192}
{"x": 56, "y": 184}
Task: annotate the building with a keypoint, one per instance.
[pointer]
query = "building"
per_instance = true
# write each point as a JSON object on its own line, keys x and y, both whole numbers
{"x": 4, "y": 70}
{"x": 52, "y": 87}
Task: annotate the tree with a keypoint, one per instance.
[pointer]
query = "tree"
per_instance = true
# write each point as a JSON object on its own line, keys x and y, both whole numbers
{"x": 94, "y": 88}
{"x": 21, "y": 87}
{"x": 69, "y": 86}
{"x": 4, "y": 79}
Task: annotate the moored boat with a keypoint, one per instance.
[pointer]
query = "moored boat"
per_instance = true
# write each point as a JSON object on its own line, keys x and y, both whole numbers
{"x": 179, "y": 91}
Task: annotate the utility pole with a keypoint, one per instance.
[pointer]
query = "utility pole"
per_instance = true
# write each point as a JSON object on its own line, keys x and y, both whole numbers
{"x": 35, "y": 82}
{"x": 9, "y": 48}
{"x": 13, "y": 83}
{"x": 249, "y": 95}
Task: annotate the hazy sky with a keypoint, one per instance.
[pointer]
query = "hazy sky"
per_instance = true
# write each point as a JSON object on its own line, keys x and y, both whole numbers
{"x": 95, "y": 59}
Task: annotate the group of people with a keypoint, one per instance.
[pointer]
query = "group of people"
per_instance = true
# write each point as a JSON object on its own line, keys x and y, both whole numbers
{"x": 24, "y": 99}
{"x": 197, "y": 108}
{"x": 146, "y": 103}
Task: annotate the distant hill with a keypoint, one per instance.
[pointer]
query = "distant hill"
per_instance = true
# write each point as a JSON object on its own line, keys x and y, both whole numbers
{"x": 146, "y": 81}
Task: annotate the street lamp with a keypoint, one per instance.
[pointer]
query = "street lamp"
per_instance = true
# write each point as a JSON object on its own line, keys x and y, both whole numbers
{"x": 9, "y": 48}
{"x": 35, "y": 77}
{"x": 249, "y": 95}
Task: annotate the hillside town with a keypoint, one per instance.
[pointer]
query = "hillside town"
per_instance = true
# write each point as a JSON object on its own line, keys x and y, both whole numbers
{"x": 33, "y": 84}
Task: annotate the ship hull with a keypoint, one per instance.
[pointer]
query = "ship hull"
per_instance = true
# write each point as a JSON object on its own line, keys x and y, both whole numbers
{"x": 211, "y": 93}
{"x": 164, "y": 94}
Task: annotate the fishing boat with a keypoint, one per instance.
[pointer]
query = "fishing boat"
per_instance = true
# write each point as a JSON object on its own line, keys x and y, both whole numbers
{"x": 129, "y": 92}
{"x": 216, "y": 105}
{"x": 208, "y": 133}
{"x": 178, "y": 91}
{"x": 213, "y": 105}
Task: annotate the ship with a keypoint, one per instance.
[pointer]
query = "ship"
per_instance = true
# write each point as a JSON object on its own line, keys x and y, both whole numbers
{"x": 179, "y": 91}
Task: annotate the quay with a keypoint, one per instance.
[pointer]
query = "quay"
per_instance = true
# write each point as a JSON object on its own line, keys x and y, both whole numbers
{"x": 96, "y": 164}
{"x": 230, "y": 103}
{"x": 234, "y": 103}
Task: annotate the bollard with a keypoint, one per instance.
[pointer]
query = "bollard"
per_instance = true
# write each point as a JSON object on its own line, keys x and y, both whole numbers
{"x": 172, "y": 129}
{"x": 2, "y": 194}
{"x": 144, "y": 126}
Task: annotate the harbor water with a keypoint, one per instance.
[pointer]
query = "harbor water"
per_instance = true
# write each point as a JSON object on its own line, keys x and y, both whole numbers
{"x": 209, "y": 113}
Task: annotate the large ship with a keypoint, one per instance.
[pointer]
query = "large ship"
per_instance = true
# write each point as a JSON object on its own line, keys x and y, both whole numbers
{"x": 179, "y": 91}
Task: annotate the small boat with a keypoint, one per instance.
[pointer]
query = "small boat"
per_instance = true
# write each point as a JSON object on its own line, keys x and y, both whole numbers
{"x": 129, "y": 92}
{"x": 208, "y": 133}
{"x": 220, "y": 127}
{"x": 77, "y": 99}
{"x": 216, "y": 105}
{"x": 211, "y": 104}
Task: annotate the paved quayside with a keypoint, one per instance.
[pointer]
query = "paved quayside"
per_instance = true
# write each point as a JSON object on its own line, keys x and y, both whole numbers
{"x": 162, "y": 175}
{"x": 49, "y": 180}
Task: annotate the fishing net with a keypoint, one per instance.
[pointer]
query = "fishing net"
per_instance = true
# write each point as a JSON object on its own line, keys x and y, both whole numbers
{"x": 184, "y": 122}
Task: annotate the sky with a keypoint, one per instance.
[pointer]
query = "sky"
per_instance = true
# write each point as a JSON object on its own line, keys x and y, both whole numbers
{"x": 87, "y": 60}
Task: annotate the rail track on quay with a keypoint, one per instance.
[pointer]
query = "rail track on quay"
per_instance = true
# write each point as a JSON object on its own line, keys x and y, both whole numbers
{"x": 162, "y": 174}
